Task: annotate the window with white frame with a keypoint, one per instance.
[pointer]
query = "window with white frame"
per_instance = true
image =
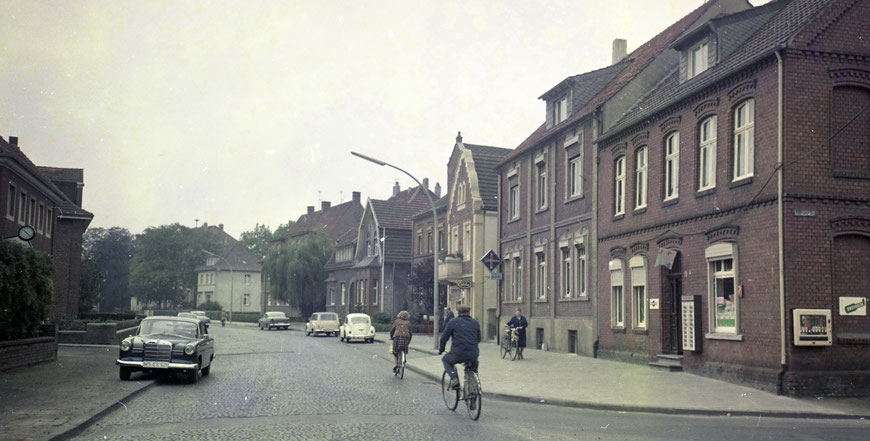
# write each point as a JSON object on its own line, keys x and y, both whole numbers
{"x": 369, "y": 251}
{"x": 698, "y": 60}
{"x": 516, "y": 276}
{"x": 707, "y": 154}
{"x": 429, "y": 240}
{"x": 672, "y": 166}
{"x": 343, "y": 290}
{"x": 560, "y": 110}
{"x": 721, "y": 259}
{"x": 49, "y": 221}
{"x": 22, "y": 208}
{"x": 638, "y": 292}
{"x": 567, "y": 273}
{"x": 32, "y": 210}
{"x": 454, "y": 239}
{"x": 575, "y": 176}
{"x": 541, "y": 275}
{"x": 466, "y": 241}
{"x": 330, "y": 296}
{"x": 619, "y": 186}
{"x": 460, "y": 193}
{"x": 580, "y": 252}
{"x": 246, "y": 299}
{"x": 40, "y": 217}
{"x": 514, "y": 198}
{"x": 617, "y": 311}
{"x": 640, "y": 178}
{"x": 542, "y": 185}
{"x": 375, "y": 292}
{"x": 362, "y": 293}
{"x": 247, "y": 279}
{"x": 419, "y": 241}
{"x": 744, "y": 139}
{"x": 10, "y": 201}
{"x": 442, "y": 245}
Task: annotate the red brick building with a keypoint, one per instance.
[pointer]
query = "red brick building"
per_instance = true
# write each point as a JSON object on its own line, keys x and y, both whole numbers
{"x": 738, "y": 188}
{"x": 49, "y": 199}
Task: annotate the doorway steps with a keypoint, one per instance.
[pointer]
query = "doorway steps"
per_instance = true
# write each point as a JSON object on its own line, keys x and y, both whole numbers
{"x": 668, "y": 362}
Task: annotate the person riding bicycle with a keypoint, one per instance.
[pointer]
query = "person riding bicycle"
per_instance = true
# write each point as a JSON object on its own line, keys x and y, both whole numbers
{"x": 401, "y": 335}
{"x": 465, "y": 332}
{"x": 519, "y": 323}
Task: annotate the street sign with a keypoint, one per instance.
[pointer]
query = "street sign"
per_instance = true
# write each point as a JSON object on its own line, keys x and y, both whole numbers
{"x": 464, "y": 284}
{"x": 496, "y": 276}
{"x": 491, "y": 260}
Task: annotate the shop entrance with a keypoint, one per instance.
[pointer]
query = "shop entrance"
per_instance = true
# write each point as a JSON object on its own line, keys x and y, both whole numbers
{"x": 673, "y": 290}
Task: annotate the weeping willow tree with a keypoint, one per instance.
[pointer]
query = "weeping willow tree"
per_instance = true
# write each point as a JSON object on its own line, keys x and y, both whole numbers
{"x": 296, "y": 273}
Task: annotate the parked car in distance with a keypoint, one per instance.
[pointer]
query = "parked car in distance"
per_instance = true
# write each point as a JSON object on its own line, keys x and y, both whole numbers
{"x": 188, "y": 315}
{"x": 322, "y": 323}
{"x": 274, "y": 319}
{"x": 357, "y": 327}
{"x": 203, "y": 315}
{"x": 166, "y": 344}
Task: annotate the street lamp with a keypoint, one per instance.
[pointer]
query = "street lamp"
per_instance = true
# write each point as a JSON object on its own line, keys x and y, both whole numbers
{"x": 232, "y": 280}
{"x": 435, "y": 311}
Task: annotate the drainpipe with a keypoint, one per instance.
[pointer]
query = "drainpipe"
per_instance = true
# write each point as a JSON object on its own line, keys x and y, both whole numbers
{"x": 593, "y": 236}
{"x": 779, "y": 213}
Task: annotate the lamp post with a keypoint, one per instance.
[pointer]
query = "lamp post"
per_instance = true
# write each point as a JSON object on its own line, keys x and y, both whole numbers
{"x": 232, "y": 280}
{"x": 435, "y": 313}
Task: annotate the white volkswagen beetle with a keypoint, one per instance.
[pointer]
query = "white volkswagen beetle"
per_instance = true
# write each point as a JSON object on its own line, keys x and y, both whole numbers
{"x": 357, "y": 327}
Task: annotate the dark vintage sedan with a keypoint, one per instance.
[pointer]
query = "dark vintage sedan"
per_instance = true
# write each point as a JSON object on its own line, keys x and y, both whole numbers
{"x": 274, "y": 319}
{"x": 167, "y": 345}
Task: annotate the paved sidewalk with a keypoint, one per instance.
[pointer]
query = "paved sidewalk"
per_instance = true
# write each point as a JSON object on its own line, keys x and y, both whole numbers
{"x": 49, "y": 399}
{"x": 578, "y": 381}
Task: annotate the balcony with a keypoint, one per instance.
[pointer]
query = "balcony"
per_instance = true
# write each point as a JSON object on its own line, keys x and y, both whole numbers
{"x": 450, "y": 269}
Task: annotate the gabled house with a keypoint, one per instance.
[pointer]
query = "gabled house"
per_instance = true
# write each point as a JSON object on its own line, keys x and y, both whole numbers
{"x": 471, "y": 225}
{"x": 232, "y": 279}
{"x": 734, "y": 216}
{"x": 48, "y": 199}
{"x": 382, "y": 261}
{"x": 340, "y": 224}
{"x": 548, "y": 183}
{"x": 430, "y": 243}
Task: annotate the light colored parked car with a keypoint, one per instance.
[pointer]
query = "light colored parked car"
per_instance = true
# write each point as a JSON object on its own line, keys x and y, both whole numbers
{"x": 203, "y": 315}
{"x": 274, "y": 319}
{"x": 357, "y": 327}
{"x": 322, "y": 323}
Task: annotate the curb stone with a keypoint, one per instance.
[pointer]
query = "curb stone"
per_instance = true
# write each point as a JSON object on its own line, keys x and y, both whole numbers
{"x": 86, "y": 422}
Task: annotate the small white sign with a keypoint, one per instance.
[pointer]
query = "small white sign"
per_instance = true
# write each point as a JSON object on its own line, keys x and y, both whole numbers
{"x": 653, "y": 303}
{"x": 853, "y": 306}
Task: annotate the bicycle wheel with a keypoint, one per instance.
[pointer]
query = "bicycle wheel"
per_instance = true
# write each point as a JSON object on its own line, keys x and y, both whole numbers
{"x": 401, "y": 365}
{"x": 505, "y": 347}
{"x": 473, "y": 396}
{"x": 515, "y": 349}
{"x": 451, "y": 396}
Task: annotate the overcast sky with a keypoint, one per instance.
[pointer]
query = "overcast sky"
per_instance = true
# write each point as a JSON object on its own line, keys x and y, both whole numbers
{"x": 246, "y": 112}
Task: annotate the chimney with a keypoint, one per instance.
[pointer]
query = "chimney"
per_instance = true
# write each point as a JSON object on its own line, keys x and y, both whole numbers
{"x": 13, "y": 140}
{"x": 205, "y": 224}
{"x": 437, "y": 190}
{"x": 426, "y": 183}
{"x": 310, "y": 209}
{"x": 221, "y": 227}
{"x": 619, "y": 50}
{"x": 324, "y": 205}
{"x": 396, "y": 189}
{"x": 356, "y": 197}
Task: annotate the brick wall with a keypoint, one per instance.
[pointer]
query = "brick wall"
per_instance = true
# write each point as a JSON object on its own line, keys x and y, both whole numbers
{"x": 25, "y": 352}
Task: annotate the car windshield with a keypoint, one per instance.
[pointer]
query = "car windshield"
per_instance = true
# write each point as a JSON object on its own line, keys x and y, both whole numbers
{"x": 328, "y": 317}
{"x": 172, "y": 328}
{"x": 360, "y": 320}
{"x": 275, "y": 315}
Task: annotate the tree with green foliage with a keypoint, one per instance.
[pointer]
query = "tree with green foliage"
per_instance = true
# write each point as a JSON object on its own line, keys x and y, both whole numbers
{"x": 164, "y": 260}
{"x": 26, "y": 290}
{"x": 105, "y": 274}
{"x": 283, "y": 229}
{"x": 420, "y": 282}
{"x": 257, "y": 240}
{"x": 296, "y": 272}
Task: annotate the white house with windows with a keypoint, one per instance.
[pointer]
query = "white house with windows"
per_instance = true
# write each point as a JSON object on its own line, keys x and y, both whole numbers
{"x": 231, "y": 278}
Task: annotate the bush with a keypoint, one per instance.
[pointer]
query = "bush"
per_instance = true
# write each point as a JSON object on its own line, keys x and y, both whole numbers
{"x": 169, "y": 312}
{"x": 245, "y": 317}
{"x": 106, "y": 316}
{"x": 82, "y": 325}
{"x": 210, "y": 306}
{"x": 382, "y": 317}
{"x": 25, "y": 290}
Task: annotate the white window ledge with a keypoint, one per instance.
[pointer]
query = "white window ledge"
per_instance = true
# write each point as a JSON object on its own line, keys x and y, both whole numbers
{"x": 721, "y": 336}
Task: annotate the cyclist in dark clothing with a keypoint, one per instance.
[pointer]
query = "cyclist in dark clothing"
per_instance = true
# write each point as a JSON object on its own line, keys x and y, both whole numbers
{"x": 519, "y": 323}
{"x": 465, "y": 332}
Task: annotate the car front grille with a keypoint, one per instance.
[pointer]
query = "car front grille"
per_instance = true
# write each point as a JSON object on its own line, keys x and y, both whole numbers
{"x": 155, "y": 351}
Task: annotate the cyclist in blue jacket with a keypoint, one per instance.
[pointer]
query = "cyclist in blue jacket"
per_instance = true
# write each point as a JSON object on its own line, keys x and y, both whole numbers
{"x": 465, "y": 332}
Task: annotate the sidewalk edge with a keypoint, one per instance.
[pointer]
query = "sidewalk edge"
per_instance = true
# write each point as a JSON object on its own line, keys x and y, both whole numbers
{"x": 644, "y": 409}
{"x": 80, "y": 427}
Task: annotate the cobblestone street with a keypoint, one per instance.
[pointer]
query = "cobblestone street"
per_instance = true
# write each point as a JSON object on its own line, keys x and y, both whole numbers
{"x": 283, "y": 385}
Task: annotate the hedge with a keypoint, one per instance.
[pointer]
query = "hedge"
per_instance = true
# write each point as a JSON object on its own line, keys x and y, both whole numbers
{"x": 81, "y": 325}
{"x": 26, "y": 290}
{"x": 106, "y": 316}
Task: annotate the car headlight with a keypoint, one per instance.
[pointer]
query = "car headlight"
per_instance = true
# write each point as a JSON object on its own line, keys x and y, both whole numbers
{"x": 126, "y": 345}
{"x": 371, "y": 330}
{"x": 190, "y": 348}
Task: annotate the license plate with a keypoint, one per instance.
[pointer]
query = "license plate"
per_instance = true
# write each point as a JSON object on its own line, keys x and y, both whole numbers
{"x": 156, "y": 364}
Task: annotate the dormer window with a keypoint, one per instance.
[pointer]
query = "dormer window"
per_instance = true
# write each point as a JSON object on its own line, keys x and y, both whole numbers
{"x": 697, "y": 60}
{"x": 560, "y": 110}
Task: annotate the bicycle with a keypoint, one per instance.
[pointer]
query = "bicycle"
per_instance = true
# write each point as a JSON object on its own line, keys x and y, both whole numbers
{"x": 509, "y": 343}
{"x": 470, "y": 391}
{"x": 400, "y": 369}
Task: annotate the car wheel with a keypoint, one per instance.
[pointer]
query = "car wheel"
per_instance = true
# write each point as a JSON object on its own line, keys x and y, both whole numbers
{"x": 206, "y": 370}
{"x": 124, "y": 372}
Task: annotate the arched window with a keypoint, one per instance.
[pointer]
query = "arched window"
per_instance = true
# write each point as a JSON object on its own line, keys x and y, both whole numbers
{"x": 672, "y": 166}
{"x": 707, "y": 154}
{"x": 744, "y": 140}
{"x": 619, "y": 186}
{"x": 640, "y": 178}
